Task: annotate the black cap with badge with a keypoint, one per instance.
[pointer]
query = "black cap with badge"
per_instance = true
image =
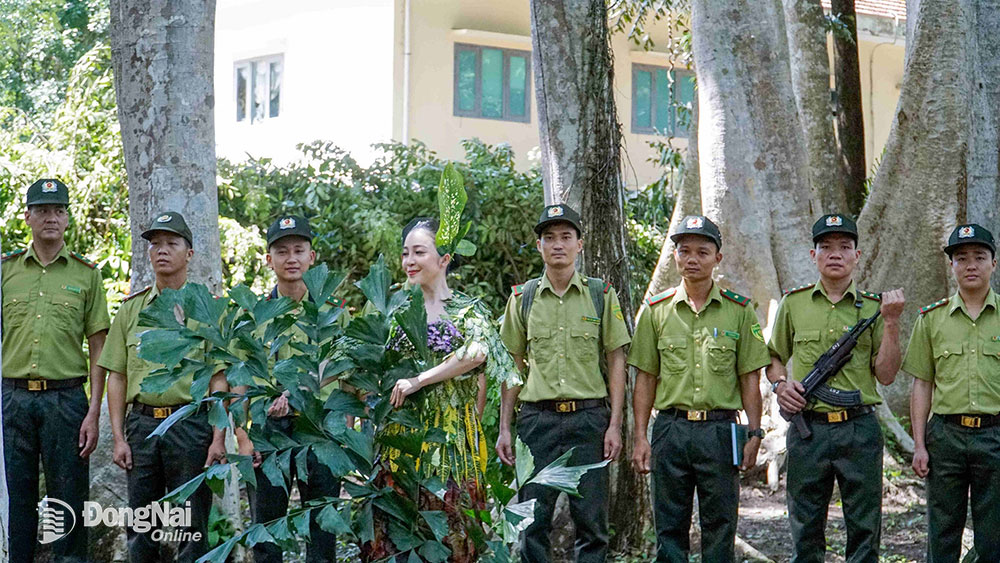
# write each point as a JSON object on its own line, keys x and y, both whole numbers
{"x": 286, "y": 226}
{"x": 698, "y": 225}
{"x": 47, "y": 191}
{"x": 970, "y": 234}
{"x": 559, "y": 213}
{"x": 835, "y": 223}
{"x": 171, "y": 222}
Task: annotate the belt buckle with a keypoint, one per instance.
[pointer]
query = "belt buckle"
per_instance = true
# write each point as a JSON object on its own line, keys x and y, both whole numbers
{"x": 972, "y": 421}
{"x": 38, "y": 385}
{"x": 161, "y": 412}
{"x": 838, "y": 416}
{"x": 566, "y": 406}
{"x": 697, "y": 415}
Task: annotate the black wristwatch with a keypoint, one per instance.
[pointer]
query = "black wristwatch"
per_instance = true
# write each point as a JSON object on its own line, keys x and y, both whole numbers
{"x": 756, "y": 433}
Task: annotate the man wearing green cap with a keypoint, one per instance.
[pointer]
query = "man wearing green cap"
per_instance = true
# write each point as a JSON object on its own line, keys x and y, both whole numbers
{"x": 53, "y": 300}
{"x": 563, "y": 324}
{"x": 954, "y": 357}
{"x": 290, "y": 255}
{"x": 158, "y": 464}
{"x": 846, "y": 444}
{"x": 698, "y": 349}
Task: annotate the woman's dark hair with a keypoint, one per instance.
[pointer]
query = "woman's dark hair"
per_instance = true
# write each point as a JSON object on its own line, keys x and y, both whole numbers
{"x": 429, "y": 224}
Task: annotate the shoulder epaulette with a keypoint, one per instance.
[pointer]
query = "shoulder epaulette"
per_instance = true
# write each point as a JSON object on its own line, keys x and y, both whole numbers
{"x": 14, "y": 253}
{"x": 735, "y": 297}
{"x": 870, "y": 295}
{"x": 517, "y": 289}
{"x": 83, "y": 260}
{"x": 661, "y": 296}
{"x": 607, "y": 287}
{"x": 339, "y": 303}
{"x": 137, "y": 293}
{"x": 934, "y": 305}
{"x": 798, "y": 289}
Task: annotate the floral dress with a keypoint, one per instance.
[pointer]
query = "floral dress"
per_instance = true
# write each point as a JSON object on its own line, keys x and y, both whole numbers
{"x": 459, "y": 460}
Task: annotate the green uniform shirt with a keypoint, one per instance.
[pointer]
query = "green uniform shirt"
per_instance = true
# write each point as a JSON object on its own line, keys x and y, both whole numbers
{"x": 960, "y": 356}
{"x": 48, "y": 311}
{"x": 698, "y": 356}
{"x": 561, "y": 340}
{"x": 121, "y": 354}
{"x": 807, "y": 324}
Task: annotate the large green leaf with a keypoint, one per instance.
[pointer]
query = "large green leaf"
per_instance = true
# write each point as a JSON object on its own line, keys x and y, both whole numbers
{"x": 321, "y": 283}
{"x": 369, "y": 328}
{"x": 451, "y": 202}
{"x": 273, "y": 473}
{"x": 560, "y": 476}
{"x": 330, "y": 520}
{"x": 524, "y": 463}
{"x": 176, "y": 416}
{"x": 221, "y": 553}
{"x": 183, "y": 492}
{"x": 267, "y": 309}
{"x": 413, "y": 321}
{"x": 217, "y": 415}
{"x": 301, "y": 523}
{"x": 438, "y": 522}
{"x": 255, "y": 534}
{"x": 434, "y": 551}
{"x": 341, "y": 402}
{"x": 201, "y": 305}
{"x": 166, "y": 347}
{"x": 375, "y": 286}
{"x": 516, "y": 518}
{"x": 332, "y": 455}
{"x": 244, "y": 297}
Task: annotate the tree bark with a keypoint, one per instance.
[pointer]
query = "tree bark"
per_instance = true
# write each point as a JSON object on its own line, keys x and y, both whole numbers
{"x": 809, "y": 64}
{"x": 581, "y": 166}
{"x": 751, "y": 149}
{"x": 850, "y": 113}
{"x": 688, "y": 202}
{"x": 162, "y": 52}
{"x": 940, "y": 140}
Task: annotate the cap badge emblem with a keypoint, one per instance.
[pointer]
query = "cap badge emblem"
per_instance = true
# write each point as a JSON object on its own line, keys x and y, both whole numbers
{"x": 163, "y": 219}
{"x": 49, "y": 187}
{"x": 834, "y": 221}
{"x": 287, "y": 223}
{"x": 556, "y": 211}
{"x": 966, "y": 232}
{"x": 695, "y": 222}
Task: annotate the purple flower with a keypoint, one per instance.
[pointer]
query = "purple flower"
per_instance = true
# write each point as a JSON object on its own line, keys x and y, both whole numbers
{"x": 443, "y": 337}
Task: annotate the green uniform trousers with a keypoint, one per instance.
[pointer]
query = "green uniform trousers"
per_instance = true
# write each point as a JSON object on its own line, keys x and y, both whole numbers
{"x": 44, "y": 425}
{"x": 690, "y": 457}
{"x": 549, "y": 435}
{"x": 159, "y": 465}
{"x": 962, "y": 461}
{"x": 849, "y": 452}
{"x": 268, "y": 502}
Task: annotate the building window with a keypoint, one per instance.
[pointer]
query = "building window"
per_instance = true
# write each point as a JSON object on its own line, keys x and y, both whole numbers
{"x": 492, "y": 83}
{"x": 258, "y": 88}
{"x": 661, "y": 100}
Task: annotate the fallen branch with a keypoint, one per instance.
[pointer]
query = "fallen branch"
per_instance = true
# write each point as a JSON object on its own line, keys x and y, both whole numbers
{"x": 747, "y": 552}
{"x": 895, "y": 428}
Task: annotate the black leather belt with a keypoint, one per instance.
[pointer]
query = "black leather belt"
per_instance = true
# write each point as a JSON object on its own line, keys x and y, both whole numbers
{"x": 43, "y": 384}
{"x": 838, "y": 416}
{"x": 565, "y": 405}
{"x": 700, "y": 416}
{"x": 155, "y": 412}
{"x": 971, "y": 420}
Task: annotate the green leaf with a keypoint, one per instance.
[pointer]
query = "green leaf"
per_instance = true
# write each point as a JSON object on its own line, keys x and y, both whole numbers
{"x": 176, "y": 416}
{"x": 438, "y": 522}
{"x": 255, "y": 534}
{"x": 217, "y": 415}
{"x": 301, "y": 523}
{"x": 524, "y": 462}
{"x": 181, "y": 493}
{"x": 333, "y": 456}
{"x": 465, "y": 247}
{"x": 451, "y": 202}
{"x": 280, "y": 530}
{"x": 216, "y": 476}
{"x": 273, "y": 473}
{"x": 244, "y": 297}
{"x": 220, "y": 554}
{"x": 409, "y": 443}
{"x": 516, "y": 518}
{"x": 413, "y": 321}
{"x": 163, "y": 312}
{"x": 301, "y": 465}
{"x": 267, "y": 309}
{"x": 360, "y": 443}
{"x": 434, "y": 551}
{"x": 166, "y": 347}
{"x": 436, "y": 486}
{"x": 244, "y": 464}
{"x": 341, "y": 402}
{"x": 321, "y": 283}
{"x": 369, "y": 328}
{"x": 401, "y": 536}
{"x": 201, "y": 305}
{"x": 375, "y": 286}
{"x": 330, "y": 520}
{"x": 563, "y": 478}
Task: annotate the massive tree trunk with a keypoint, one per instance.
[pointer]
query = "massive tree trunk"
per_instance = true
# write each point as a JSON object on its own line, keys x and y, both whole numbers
{"x": 751, "y": 149}
{"x": 850, "y": 113}
{"x": 810, "y": 72}
{"x": 581, "y": 164}
{"x": 162, "y": 52}
{"x": 935, "y": 171}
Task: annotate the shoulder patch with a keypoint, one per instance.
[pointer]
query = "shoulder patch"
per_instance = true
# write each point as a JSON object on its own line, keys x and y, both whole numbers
{"x": 14, "y": 253}
{"x": 872, "y": 296}
{"x": 798, "y": 289}
{"x": 607, "y": 287}
{"x": 339, "y": 303}
{"x": 517, "y": 289}
{"x": 661, "y": 296}
{"x": 736, "y": 297}
{"x": 934, "y": 305}
{"x": 83, "y": 260}
{"x": 137, "y": 293}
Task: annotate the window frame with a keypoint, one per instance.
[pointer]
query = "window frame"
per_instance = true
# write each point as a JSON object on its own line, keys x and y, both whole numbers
{"x": 250, "y": 65}
{"x": 651, "y": 130}
{"x": 476, "y": 112}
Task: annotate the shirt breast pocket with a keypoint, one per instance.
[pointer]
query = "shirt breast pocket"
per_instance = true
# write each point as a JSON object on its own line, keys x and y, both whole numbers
{"x": 807, "y": 348}
{"x": 136, "y": 365}
{"x": 15, "y": 310}
{"x": 673, "y": 354}
{"x": 585, "y": 344}
{"x": 721, "y": 357}
{"x": 948, "y": 361}
{"x": 540, "y": 342}
{"x": 68, "y": 310}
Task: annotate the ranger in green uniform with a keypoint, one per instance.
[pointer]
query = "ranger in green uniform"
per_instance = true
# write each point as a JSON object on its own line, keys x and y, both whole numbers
{"x": 846, "y": 444}
{"x": 159, "y": 464}
{"x": 290, "y": 255}
{"x": 53, "y": 299}
{"x": 954, "y": 356}
{"x": 699, "y": 350}
{"x": 562, "y": 323}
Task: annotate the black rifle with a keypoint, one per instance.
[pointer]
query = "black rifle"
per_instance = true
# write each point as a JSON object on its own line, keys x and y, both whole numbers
{"x": 826, "y": 367}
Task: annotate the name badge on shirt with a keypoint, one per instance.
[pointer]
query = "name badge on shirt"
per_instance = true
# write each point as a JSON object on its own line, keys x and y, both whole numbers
{"x": 731, "y": 334}
{"x": 72, "y": 289}
{"x": 594, "y": 320}
{"x": 996, "y": 339}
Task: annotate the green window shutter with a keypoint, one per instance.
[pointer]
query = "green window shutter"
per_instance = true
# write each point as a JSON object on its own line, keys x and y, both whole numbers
{"x": 518, "y": 84}
{"x": 466, "y": 78}
{"x": 664, "y": 108}
{"x": 641, "y": 99}
{"x": 492, "y": 83}
{"x": 685, "y": 96}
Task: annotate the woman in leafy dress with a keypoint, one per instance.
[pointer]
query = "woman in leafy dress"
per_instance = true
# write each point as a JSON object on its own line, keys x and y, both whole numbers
{"x": 466, "y": 351}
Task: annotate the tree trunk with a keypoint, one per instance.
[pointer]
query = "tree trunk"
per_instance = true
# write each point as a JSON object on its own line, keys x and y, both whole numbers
{"x": 581, "y": 165}
{"x": 688, "y": 202}
{"x": 162, "y": 52}
{"x": 850, "y": 114}
{"x": 750, "y": 146}
{"x": 4, "y": 498}
{"x": 810, "y": 72}
{"x": 933, "y": 172}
